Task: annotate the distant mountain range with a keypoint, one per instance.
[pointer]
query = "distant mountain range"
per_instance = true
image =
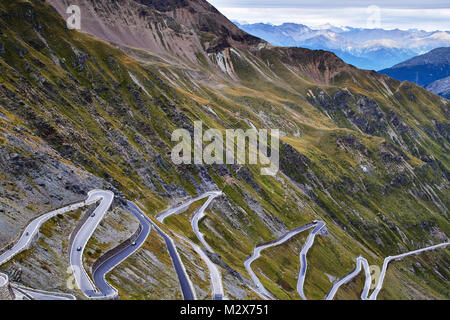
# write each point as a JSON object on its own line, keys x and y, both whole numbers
{"x": 430, "y": 70}
{"x": 99, "y": 108}
{"x": 373, "y": 49}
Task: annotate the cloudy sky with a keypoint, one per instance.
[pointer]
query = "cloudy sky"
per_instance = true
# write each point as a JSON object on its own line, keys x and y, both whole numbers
{"x": 387, "y": 14}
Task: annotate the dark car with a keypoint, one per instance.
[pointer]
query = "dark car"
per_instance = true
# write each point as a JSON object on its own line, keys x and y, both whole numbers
{"x": 79, "y": 249}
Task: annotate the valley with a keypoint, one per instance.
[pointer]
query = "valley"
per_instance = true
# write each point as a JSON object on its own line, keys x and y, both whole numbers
{"x": 361, "y": 153}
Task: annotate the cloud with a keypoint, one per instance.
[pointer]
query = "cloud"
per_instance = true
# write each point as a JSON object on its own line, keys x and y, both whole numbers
{"x": 432, "y": 15}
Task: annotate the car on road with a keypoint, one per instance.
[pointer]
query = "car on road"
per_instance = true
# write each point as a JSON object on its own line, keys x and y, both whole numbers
{"x": 134, "y": 243}
{"x": 315, "y": 222}
{"x": 79, "y": 249}
{"x": 92, "y": 215}
{"x": 27, "y": 234}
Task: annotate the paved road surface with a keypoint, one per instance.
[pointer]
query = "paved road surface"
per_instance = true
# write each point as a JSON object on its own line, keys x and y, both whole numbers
{"x": 216, "y": 277}
{"x": 200, "y": 214}
{"x": 107, "y": 266}
{"x": 33, "y": 294}
{"x": 32, "y": 230}
{"x": 374, "y": 294}
{"x": 182, "y": 207}
{"x": 81, "y": 239}
{"x": 360, "y": 263}
{"x": 185, "y": 283}
{"x": 85, "y": 233}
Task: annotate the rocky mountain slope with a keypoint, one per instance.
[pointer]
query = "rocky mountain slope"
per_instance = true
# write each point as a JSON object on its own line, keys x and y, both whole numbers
{"x": 95, "y": 109}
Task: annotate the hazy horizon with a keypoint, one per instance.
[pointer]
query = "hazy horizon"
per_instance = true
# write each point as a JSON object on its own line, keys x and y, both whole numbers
{"x": 429, "y": 16}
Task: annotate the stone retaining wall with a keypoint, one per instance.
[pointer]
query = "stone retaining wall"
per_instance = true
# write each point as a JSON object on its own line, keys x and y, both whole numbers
{"x": 87, "y": 214}
{"x": 6, "y": 292}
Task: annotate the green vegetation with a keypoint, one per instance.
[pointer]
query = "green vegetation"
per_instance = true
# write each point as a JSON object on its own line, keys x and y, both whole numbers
{"x": 366, "y": 154}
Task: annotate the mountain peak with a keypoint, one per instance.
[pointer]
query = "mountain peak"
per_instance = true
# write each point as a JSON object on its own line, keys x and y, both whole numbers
{"x": 176, "y": 27}
{"x": 184, "y": 30}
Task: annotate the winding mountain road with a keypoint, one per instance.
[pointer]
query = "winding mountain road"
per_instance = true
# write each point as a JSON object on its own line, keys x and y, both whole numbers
{"x": 107, "y": 266}
{"x": 303, "y": 261}
{"x": 82, "y": 279}
{"x": 200, "y": 214}
{"x": 32, "y": 230}
{"x": 186, "y": 285}
{"x": 260, "y": 289}
{"x": 102, "y": 290}
{"x": 81, "y": 239}
{"x": 374, "y": 294}
{"x": 33, "y": 294}
{"x": 360, "y": 261}
{"x": 216, "y": 278}
{"x": 182, "y": 207}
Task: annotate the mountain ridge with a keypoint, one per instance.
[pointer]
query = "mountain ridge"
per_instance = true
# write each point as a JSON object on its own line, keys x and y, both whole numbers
{"x": 363, "y": 152}
{"x": 440, "y": 87}
{"x": 373, "y": 49}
